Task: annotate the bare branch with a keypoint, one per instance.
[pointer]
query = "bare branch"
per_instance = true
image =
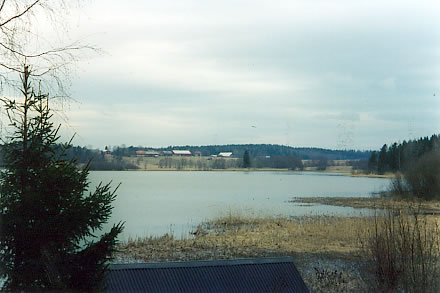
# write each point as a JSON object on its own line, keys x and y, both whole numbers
{"x": 21, "y": 42}
{"x": 55, "y": 51}
{"x": 20, "y": 14}
{"x": 3, "y": 5}
{"x": 10, "y": 68}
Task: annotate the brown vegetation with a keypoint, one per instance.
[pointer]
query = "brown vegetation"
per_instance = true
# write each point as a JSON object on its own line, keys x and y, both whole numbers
{"x": 251, "y": 237}
{"x": 402, "y": 252}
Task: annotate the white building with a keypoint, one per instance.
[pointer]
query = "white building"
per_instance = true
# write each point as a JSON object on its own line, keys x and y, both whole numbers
{"x": 182, "y": 153}
{"x": 224, "y": 155}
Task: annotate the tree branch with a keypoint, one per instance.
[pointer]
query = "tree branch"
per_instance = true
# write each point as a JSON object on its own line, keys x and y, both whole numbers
{"x": 10, "y": 68}
{"x": 20, "y": 14}
{"x": 71, "y": 47}
{"x": 3, "y": 4}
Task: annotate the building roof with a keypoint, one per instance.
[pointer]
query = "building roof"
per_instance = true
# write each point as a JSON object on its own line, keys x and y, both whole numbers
{"x": 241, "y": 275}
{"x": 181, "y": 152}
{"x": 225, "y": 154}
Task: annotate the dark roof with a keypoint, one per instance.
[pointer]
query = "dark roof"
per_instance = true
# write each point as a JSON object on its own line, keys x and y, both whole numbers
{"x": 240, "y": 275}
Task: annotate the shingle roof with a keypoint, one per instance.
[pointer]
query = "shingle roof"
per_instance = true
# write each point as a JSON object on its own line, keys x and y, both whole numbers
{"x": 241, "y": 275}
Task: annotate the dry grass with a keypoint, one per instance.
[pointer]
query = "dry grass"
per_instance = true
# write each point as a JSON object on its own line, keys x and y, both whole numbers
{"x": 236, "y": 236}
{"x": 372, "y": 175}
{"x": 425, "y": 207}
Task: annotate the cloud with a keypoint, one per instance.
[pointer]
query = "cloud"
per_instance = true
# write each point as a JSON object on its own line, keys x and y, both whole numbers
{"x": 192, "y": 72}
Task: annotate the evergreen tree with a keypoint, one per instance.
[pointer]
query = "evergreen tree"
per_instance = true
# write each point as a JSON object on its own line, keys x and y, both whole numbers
{"x": 382, "y": 162}
{"x": 246, "y": 160}
{"x": 48, "y": 216}
{"x": 401, "y": 157}
{"x": 372, "y": 163}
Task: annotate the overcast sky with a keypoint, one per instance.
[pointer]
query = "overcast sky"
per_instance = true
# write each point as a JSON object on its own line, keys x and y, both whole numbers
{"x": 334, "y": 74}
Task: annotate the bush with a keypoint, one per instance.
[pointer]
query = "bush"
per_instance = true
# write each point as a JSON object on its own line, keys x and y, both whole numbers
{"x": 402, "y": 249}
{"x": 422, "y": 180}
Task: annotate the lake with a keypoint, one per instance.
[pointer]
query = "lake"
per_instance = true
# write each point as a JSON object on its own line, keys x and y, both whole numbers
{"x": 154, "y": 203}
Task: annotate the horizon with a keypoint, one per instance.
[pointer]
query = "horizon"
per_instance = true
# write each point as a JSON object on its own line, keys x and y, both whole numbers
{"x": 112, "y": 147}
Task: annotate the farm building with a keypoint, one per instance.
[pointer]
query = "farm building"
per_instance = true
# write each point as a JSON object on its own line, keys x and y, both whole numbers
{"x": 224, "y": 155}
{"x": 151, "y": 154}
{"x": 141, "y": 153}
{"x": 182, "y": 153}
{"x": 239, "y": 275}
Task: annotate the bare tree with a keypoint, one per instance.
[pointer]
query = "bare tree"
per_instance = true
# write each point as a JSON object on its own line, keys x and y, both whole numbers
{"x": 23, "y": 40}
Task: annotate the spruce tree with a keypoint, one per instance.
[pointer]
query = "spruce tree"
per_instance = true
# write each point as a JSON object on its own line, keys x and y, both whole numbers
{"x": 48, "y": 216}
{"x": 246, "y": 159}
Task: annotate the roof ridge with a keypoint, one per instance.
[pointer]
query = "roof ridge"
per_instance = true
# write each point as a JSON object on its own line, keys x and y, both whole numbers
{"x": 201, "y": 263}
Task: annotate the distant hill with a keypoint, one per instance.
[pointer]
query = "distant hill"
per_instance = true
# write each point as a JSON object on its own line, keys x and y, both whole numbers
{"x": 257, "y": 150}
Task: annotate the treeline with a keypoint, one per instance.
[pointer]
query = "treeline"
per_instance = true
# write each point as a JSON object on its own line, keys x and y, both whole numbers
{"x": 263, "y": 156}
{"x": 277, "y": 162}
{"x": 97, "y": 159}
{"x": 401, "y": 156}
{"x": 256, "y": 150}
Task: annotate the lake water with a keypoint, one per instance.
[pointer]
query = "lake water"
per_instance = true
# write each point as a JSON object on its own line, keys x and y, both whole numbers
{"x": 154, "y": 203}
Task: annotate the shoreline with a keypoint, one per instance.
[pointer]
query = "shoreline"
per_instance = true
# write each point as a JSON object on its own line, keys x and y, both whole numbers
{"x": 425, "y": 207}
{"x": 329, "y": 172}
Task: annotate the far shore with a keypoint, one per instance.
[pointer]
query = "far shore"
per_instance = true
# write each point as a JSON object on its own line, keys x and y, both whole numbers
{"x": 332, "y": 171}
{"x": 425, "y": 207}
{"x": 337, "y": 168}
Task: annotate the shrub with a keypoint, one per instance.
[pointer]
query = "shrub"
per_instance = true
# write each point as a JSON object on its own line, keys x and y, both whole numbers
{"x": 422, "y": 180}
{"x": 402, "y": 249}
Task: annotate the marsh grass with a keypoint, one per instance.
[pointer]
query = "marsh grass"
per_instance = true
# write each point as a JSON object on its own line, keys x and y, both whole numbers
{"x": 235, "y": 235}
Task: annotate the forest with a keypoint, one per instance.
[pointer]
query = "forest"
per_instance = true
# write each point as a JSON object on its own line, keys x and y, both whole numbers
{"x": 398, "y": 157}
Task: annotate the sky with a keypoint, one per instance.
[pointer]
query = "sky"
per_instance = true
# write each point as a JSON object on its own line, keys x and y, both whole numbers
{"x": 336, "y": 74}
